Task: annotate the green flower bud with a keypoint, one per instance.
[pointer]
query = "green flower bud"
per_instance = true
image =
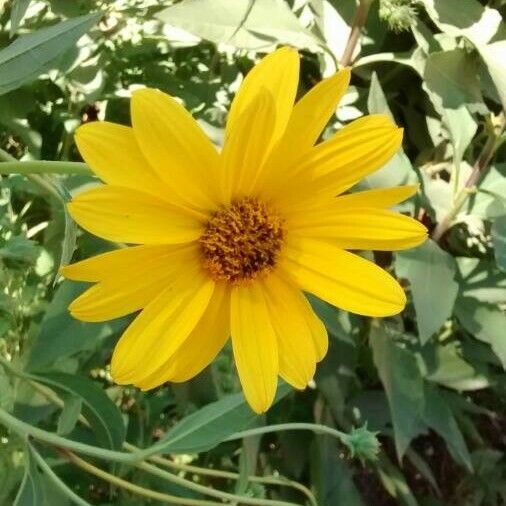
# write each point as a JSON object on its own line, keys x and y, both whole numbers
{"x": 399, "y": 14}
{"x": 362, "y": 443}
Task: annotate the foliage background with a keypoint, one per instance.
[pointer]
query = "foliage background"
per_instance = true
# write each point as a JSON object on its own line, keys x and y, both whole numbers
{"x": 430, "y": 381}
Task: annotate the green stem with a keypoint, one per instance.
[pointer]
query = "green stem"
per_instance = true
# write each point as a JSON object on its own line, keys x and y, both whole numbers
{"x": 57, "y": 482}
{"x": 26, "y": 430}
{"x": 313, "y": 427}
{"x": 135, "y": 489}
{"x": 43, "y": 167}
{"x": 156, "y": 471}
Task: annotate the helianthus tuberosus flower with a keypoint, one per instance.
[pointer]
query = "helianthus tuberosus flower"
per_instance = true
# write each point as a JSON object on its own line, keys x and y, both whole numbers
{"x": 225, "y": 243}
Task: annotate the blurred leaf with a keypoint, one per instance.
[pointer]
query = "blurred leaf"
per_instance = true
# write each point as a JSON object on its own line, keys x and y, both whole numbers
{"x": 18, "y": 11}
{"x": 245, "y": 24}
{"x": 484, "y": 321}
{"x": 104, "y": 417}
{"x": 210, "y": 425}
{"x": 20, "y": 249}
{"x": 490, "y": 199}
{"x": 60, "y": 335}
{"x": 499, "y": 240}
{"x": 69, "y": 414}
{"x": 31, "y": 491}
{"x": 6, "y": 391}
{"x": 394, "y": 482}
{"x": 464, "y": 17}
{"x": 30, "y": 55}
{"x": 403, "y": 382}
{"x": 430, "y": 272}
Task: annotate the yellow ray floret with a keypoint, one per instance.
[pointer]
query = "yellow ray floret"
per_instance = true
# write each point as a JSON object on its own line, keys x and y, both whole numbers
{"x": 224, "y": 244}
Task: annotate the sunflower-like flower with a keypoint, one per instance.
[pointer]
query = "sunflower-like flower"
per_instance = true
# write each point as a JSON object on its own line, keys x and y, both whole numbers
{"x": 225, "y": 243}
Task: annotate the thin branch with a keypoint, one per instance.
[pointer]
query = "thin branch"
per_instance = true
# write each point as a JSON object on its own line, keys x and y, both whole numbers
{"x": 356, "y": 30}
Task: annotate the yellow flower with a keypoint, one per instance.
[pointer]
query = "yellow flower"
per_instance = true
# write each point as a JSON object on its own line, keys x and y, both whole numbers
{"x": 227, "y": 242}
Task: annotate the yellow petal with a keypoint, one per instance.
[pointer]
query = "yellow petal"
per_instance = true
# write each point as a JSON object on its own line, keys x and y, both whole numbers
{"x": 201, "y": 346}
{"x": 309, "y": 117}
{"x": 255, "y": 345}
{"x": 161, "y": 327}
{"x": 294, "y": 325}
{"x": 122, "y": 292}
{"x": 379, "y": 197}
{"x": 247, "y": 145}
{"x": 278, "y": 73}
{"x": 112, "y": 153}
{"x": 113, "y": 263}
{"x": 176, "y": 147}
{"x": 360, "y": 228}
{"x": 125, "y": 215}
{"x": 341, "y": 278}
{"x": 335, "y": 165}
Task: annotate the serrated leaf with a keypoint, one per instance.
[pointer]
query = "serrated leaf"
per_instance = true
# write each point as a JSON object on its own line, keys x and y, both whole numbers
{"x": 481, "y": 280}
{"x": 430, "y": 272}
{"x": 257, "y": 25}
{"x": 210, "y": 425}
{"x": 30, "y": 55}
{"x": 104, "y": 417}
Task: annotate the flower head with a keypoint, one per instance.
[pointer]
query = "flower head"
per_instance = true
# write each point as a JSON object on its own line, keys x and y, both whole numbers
{"x": 225, "y": 243}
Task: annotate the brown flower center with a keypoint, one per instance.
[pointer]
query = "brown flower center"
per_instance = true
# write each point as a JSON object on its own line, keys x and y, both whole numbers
{"x": 241, "y": 241}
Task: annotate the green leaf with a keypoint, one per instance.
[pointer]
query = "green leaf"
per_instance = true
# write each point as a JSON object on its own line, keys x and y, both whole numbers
{"x": 403, "y": 383}
{"x": 398, "y": 170}
{"x": 452, "y": 75}
{"x": 481, "y": 280}
{"x": 103, "y": 415}
{"x": 6, "y": 391}
{"x": 499, "y": 240}
{"x": 209, "y": 426}
{"x": 446, "y": 366}
{"x": 60, "y": 335}
{"x": 30, "y": 55}
{"x": 31, "y": 491}
{"x": 20, "y": 249}
{"x": 69, "y": 414}
{"x": 430, "y": 272}
{"x": 494, "y": 56}
{"x": 464, "y": 17}
{"x": 18, "y": 11}
{"x": 246, "y": 24}
{"x": 484, "y": 321}
{"x": 439, "y": 416}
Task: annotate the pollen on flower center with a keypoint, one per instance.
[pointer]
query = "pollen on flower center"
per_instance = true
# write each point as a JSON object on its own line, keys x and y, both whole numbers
{"x": 241, "y": 241}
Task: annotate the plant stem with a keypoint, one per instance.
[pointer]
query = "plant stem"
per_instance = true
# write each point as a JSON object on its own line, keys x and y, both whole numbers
{"x": 55, "y": 479}
{"x": 135, "y": 489}
{"x": 206, "y": 490}
{"x": 356, "y": 29}
{"x": 43, "y": 167}
{"x": 479, "y": 169}
{"x": 228, "y": 475}
{"x": 313, "y": 427}
{"x": 26, "y": 430}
